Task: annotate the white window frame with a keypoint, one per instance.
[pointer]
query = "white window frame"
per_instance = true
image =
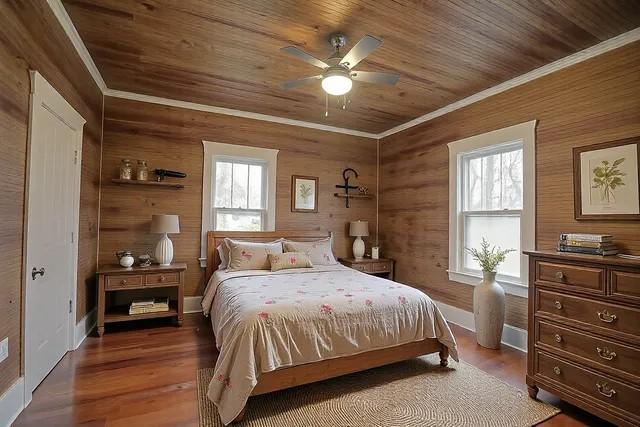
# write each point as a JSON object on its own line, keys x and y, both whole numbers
{"x": 483, "y": 144}
{"x": 214, "y": 151}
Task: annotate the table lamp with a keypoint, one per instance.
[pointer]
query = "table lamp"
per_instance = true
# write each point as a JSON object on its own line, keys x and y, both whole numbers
{"x": 165, "y": 224}
{"x": 358, "y": 229}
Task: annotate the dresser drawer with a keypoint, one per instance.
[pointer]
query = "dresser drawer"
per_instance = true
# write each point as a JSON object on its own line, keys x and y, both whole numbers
{"x": 123, "y": 282}
{"x": 359, "y": 267}
{"x": 381, "y": 267}
{"x": 571, "y": 276}
{"x": 602, "y": 352}
{"x": 625, "y": 284}
{"x": 162, "y": 278}
{"x": 610, "y": 319}
{"x": 595, "y": 385}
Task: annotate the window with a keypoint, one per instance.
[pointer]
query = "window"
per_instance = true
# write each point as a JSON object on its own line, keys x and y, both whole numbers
{"x": 239, "y": 194}
{"x": 494, "y": 198}
{"x": 238, "y": 189}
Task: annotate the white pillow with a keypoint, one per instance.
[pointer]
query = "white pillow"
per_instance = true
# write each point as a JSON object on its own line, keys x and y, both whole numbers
{"x": 251, "y": 255}
{"x": 223, "y": 250}
{"x": 319, "y": 251}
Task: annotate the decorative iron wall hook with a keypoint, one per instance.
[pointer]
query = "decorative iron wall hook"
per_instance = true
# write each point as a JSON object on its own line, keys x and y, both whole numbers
{"x": 346, "y": 186}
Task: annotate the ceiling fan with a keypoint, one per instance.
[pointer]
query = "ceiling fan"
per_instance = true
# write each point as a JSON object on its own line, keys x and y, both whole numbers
{"x": 338, "y": 73}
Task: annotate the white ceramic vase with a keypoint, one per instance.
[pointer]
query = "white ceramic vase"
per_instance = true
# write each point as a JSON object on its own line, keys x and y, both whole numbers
{"x": 488, "y": 310}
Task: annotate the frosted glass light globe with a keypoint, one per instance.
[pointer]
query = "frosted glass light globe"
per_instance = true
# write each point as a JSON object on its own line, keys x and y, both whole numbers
{"x": 336, "y": 84}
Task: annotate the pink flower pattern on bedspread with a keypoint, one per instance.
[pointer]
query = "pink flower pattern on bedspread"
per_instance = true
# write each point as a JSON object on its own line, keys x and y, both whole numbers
{"x": 324, "y": 312}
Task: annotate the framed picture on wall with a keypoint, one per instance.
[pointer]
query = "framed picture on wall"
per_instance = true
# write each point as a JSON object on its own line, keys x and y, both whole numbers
{"x": 606, "y": 180}
{"x": 304, "y": 193}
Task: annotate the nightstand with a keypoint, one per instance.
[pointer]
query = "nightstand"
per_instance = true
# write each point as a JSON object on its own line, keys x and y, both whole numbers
{"x": 379, "y": 267}
{"x": 113, "y": 280}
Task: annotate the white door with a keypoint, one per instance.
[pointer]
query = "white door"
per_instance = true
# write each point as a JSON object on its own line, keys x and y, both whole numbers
{"x": 52, "y": 223}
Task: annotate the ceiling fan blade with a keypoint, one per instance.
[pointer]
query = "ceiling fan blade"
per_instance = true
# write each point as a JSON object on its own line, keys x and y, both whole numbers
{"x": 301, "y": 54}
{"x": 361, "y": 50}
{"x": 374, "y": 77}
{"x": 295, "y": 83}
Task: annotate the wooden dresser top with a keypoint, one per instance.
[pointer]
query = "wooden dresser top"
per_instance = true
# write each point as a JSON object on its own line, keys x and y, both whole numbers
{"x": 153, "y": 268}
{"x": 596, "y": 259}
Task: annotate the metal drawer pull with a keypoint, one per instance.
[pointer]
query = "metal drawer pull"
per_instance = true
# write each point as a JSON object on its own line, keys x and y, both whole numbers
{"x": 123, "y": 282}
{"x": 559, "y": 275}
{"x": 162, "y": 278}
{"x": 556, "y": 370}
{"x": 605, "y": 390}
{"x": 606, "y": 317}
{"x": 605, "y": 353}
{"x": 558, "y": 305}
{"x": 558, "y": 338}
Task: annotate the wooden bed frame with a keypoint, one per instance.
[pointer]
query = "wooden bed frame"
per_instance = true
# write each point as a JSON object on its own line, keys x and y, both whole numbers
{"x": 325, "y": 369}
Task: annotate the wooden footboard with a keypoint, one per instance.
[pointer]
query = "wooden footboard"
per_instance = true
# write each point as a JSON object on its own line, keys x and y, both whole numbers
{"x": 331, "y": 368}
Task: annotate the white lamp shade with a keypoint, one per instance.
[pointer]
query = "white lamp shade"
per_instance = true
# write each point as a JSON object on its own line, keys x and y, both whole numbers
{"x": 358, "y": 228}
{"x": 165, "y": 224}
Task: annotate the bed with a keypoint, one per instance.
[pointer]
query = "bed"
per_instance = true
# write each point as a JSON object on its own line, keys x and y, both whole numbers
{"x": 277, "y": 330}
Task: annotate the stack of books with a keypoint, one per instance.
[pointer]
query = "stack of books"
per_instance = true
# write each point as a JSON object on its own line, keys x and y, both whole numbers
{"x": 149, "y": 305}
{"x": 592, "y": 244}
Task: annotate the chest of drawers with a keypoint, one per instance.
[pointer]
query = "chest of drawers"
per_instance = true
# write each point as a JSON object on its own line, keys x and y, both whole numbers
{"x": 584, "y": 332}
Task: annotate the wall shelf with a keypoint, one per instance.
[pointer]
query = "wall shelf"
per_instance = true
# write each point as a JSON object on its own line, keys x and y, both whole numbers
{"x": 354, "y": 196}
{"x": 147, "y": 183}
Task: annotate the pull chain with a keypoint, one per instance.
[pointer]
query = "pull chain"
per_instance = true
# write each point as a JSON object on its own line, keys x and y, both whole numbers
{"x": 326, "y": 105}
{"x": 344, "y": 102}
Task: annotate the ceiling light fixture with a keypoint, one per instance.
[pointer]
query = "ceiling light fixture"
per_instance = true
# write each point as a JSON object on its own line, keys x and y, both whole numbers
{"x": 336, "y": 82}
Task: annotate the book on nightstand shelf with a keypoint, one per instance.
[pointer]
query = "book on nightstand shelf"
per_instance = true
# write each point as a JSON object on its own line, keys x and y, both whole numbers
{"x": 149, "y": 305}
{"x": 590, "y": 244}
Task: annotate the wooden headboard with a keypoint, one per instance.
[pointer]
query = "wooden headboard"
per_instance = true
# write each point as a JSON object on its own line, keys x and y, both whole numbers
{"x": 214, "y": 238}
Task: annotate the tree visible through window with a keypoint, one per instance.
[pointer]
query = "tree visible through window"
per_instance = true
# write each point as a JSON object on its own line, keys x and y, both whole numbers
{"x": 492, "y": 197}
{"x": 239, "y": 195}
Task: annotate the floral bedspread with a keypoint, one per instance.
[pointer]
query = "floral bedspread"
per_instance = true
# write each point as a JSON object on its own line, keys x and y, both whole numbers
{"x": 266, "y": 320}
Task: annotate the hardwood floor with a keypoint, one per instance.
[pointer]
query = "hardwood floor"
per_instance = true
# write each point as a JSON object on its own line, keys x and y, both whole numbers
{"x": 147, "y": 377}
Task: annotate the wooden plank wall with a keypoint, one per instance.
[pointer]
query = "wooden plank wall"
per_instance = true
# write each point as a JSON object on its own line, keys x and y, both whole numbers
{"x": 31, "y": 38}
{"x": 594, "y": 101}
{"x": 171, "y": 138}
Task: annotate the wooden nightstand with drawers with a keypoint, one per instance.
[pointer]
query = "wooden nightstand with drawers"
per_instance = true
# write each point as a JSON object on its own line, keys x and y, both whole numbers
{"x": 584, "y": 332}
{"x": 379, "y": 267}
{"x": 114, "y": 280}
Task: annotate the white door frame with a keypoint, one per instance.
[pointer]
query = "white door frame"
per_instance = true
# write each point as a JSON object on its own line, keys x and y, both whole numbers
{"x": 45, "y": 97}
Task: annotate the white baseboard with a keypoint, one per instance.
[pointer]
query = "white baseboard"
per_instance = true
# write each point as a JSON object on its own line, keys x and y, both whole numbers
{"x": 511, "y": 336}
{"x": 192, "y": 304}
{"x": 84, "y": 327}
{"x": 12, "y": 403}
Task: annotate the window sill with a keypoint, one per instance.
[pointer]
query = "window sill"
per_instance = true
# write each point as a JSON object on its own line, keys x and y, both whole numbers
{"x": 511, "y": 288}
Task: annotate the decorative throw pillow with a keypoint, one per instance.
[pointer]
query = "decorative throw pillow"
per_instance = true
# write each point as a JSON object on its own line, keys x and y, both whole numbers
{"x": 251, "y": 255}
{"x": 289, "y": 260}
{"x": 319, "y": 251}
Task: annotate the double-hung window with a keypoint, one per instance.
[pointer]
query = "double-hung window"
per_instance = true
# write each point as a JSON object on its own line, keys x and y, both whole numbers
{"x": 238, "y": 189}
{"x": 239, "y": 194}
{"x": 493, "y": 178}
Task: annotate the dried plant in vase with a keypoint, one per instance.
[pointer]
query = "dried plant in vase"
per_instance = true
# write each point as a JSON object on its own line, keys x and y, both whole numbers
{"x": 488, "y": 296}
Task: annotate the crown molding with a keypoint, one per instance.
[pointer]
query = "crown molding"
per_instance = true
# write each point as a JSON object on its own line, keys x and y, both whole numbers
{"x": 230, "y": 112}
{"x": 593, "y": 51}
{"x": 65, "y": 20}
{"x": 567, "y": 61}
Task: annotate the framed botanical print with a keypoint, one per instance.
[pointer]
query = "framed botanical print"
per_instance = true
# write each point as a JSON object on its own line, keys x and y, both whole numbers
{"x": 304, "y": 193}
{"x": 606, "y": 180}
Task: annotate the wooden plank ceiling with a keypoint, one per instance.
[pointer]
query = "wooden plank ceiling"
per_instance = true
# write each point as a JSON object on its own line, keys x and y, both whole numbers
{"x": 226, "y": 53}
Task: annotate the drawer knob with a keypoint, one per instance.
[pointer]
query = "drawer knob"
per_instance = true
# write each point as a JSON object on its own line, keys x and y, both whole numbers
{"x": 558, "y": 338}
{"x": 162, "y": 278}
{"x": 556, "y": 370}
{"x": 605, "y": 389}
{"x": 605, "y": 353}
{"x": 558, "y": 305}
{"x": 607, "y": 317}
{"x": 123, "y": 281}
{"x": 559, "y": 275}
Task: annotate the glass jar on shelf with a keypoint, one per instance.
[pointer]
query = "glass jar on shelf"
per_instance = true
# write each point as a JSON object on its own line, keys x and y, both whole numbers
{"x": 126, "y": 171}
{"x": 143, "y": 170}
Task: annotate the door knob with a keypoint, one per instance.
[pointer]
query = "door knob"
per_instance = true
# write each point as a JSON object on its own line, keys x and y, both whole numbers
{"x": 35, "y": 272}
